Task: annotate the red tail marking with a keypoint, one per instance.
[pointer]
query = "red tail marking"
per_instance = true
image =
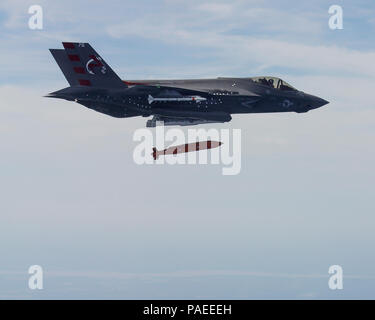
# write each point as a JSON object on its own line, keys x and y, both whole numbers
{"x": 129, "y": 83}
{"x": 84, "y": 82}
{"x": 68, "y": 45}
{"x": 79, "y": 70}
{"x": 73, "y": 57}
{"x": 97, "y": 63}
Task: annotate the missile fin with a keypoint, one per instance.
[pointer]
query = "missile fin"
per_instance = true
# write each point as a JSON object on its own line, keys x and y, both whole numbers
{"x": 154, "y": 153}
{"x": 150, "y": 99}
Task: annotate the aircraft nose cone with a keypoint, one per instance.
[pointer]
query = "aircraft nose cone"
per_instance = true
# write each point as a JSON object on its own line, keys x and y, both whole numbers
{"x": 314, "y": 102}
{"x": 321, "y": 102}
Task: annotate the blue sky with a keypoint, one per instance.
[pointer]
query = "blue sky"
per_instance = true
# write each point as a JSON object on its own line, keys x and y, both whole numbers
{"x": 74, "y": 202}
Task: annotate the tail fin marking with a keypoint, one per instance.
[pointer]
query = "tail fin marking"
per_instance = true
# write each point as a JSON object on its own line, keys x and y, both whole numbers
{"x": 82, "y": 66}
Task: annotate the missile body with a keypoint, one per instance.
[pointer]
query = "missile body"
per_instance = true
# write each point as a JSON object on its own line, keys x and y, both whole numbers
{"x": 188, "y": 147}
{"x": 198, "y": 99}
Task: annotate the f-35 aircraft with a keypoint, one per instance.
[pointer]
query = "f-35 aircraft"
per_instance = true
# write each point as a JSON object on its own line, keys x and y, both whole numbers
{"x": 175, "y": 102}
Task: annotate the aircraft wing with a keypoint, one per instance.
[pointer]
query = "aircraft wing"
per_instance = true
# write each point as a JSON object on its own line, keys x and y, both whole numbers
{"x": 172, "y": 96}
{"x": 211, "y": 116}
{"x": 165, "y": 91}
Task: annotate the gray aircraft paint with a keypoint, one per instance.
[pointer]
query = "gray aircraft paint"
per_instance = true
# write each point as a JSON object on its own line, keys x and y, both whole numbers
{"x": 176, "y": 102}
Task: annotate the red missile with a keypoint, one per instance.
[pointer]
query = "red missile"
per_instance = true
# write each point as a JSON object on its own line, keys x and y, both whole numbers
{"x": 188, "y": 147}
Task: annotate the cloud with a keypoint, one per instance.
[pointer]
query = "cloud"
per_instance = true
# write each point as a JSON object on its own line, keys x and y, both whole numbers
{"x": 217, "y": 37}
{"x": 237, "y": 50}
{"x": 64, "y": 165}
{"x": 185, "y": 274}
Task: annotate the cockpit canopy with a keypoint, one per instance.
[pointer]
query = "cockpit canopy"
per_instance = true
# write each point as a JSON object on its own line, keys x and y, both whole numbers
{"x": 274, "y": 82}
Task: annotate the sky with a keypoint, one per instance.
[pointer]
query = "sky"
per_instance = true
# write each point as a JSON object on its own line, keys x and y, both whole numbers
{"x": 102, "y": 227}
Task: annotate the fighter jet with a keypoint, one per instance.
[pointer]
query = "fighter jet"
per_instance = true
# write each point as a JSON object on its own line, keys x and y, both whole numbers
{"x": 95, "y": 85}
